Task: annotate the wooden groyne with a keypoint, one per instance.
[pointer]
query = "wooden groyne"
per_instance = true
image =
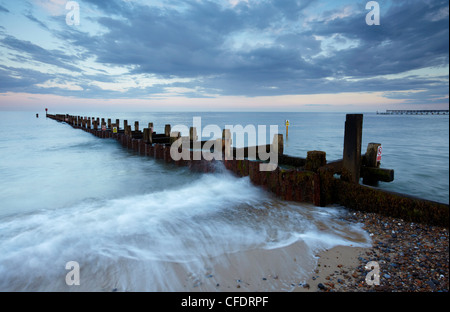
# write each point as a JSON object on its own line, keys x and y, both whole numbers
{"x": 312, "y": 179}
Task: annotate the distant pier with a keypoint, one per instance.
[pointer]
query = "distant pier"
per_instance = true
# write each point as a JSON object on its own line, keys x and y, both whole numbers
{"x": 311, "y": 180}
{"x": 414, "y": 112}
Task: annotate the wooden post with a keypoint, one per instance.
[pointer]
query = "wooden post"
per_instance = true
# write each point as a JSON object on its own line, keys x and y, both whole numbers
{"x": 117, "y": 124}
{"x": 315, "y": 160}
{"x": 146, "y": 135}
{"x": 351, "y": 161}
{"x": 109, "y": 123}
{"x": 167, "y": 130}
{"x": 371, "y": 155}
{"x": 193, "y": 134}
{"x": 279, "y": 146}
{"x": 136, "y": 126}
{"x": 150, "y": 132}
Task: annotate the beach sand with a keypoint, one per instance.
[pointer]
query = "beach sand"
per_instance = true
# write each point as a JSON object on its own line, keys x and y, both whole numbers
{"x": 334, "y": 269}
{"x": 412, "y": 257}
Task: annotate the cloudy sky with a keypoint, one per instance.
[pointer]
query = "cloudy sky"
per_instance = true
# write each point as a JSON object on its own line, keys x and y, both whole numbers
{"x": 262, "y": 55}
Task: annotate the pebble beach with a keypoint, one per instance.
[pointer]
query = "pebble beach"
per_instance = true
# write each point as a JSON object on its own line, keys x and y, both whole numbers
{"x": 412, "y": 257}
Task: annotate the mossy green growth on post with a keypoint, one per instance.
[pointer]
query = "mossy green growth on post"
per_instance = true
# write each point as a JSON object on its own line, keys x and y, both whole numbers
{"x": 315, "y": 160}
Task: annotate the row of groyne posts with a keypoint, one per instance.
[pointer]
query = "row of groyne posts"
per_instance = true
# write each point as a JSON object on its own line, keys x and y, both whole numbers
{"x": 311, "y": 180}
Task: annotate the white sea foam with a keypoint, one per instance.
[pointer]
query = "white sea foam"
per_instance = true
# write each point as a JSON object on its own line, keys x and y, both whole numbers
{"x": 140, "y": 238}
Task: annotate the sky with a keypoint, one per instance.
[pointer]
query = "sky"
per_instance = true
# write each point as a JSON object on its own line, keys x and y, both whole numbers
{"x": 224, "y": 55}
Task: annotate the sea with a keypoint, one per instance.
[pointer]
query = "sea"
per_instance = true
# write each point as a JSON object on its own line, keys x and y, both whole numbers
{"x": 80, "y": 213}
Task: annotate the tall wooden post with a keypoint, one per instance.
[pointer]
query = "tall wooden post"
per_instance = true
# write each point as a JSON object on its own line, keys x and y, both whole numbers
{"x": 193, "y": 134}
{"x": 279, "y": 146}
{"x": 167, "y": 130}
{"x": 351, "y": 161}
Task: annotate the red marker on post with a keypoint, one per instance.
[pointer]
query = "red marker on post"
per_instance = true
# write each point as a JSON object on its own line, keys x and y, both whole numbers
{"x": 379, "y": 152}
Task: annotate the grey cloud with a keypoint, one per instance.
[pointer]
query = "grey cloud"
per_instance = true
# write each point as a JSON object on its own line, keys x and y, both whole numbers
{"x": 190, "y": 41}
{"x": 37, "y": 53}
{"x": 3, "y": 9}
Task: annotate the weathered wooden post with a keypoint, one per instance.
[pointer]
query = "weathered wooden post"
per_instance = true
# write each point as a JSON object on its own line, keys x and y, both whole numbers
{"x": 278, "y": 144}
{"x": 109, "y": 123}
{"x": 117, "y": 124}
{"x": 125, "y": 125}
{"x": 146, "y": 135}
{"x": 150, "y": 132}
{"x": 351, "y": 162}
{"x": 193, "y": 134}
{"x": 136, "y": 126}
{"x": 167, "y": 130}
{"x": 372, "y": 159}
{"x": 315, "y": 160}
{"x": 370, "y": 170}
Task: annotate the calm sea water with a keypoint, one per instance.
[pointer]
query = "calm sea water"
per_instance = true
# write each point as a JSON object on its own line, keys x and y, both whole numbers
{"x": 134, "y": 223}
